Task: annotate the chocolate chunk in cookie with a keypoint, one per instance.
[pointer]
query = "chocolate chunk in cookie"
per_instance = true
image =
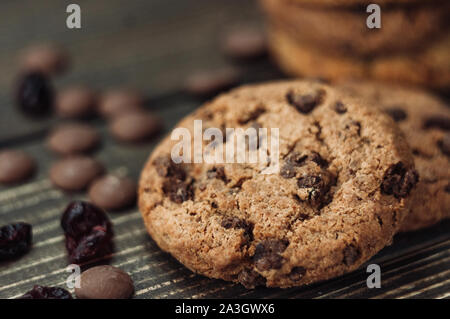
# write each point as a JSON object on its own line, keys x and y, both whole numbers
{"x": 339, "y": 107}
{"x": 397, "y": 114}
{"x": 437, "y": 121}
{"x": 399, "y": 180}
{"x": 305, "y": 103}
{"x": 178, "y": 191}
{"x": 267, "y": 254}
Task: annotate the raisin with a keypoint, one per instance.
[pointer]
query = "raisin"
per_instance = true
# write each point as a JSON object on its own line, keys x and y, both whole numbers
{"x": 437, "y": 121}
{"x": 34, "y": 94}
{"x": 15, "y": 240}
{"x": 444, "y": 144}
{"x": 397, "y": 114}
{"x": 88, "y": 232}
{"x": 297, "y": 273}
{"x": 305, "y": 103}
{"x": 217, "y": 172}
{"x": 340, "y": 108}
{"x": 399, "y": 180}
{"x": 165, "y": 167}
{"x": 267, "y": 254}
{"x": 251, "y": 279}
{"x": 41, "y": 292}
{"x": 351, "y": 255}
{"x": 178, "y": 191}
{"x": 447, "y": 188}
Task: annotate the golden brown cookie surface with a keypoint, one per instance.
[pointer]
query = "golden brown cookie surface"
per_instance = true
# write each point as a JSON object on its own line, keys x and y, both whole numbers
{"x": 425, "y": 120}
{"x": 345, "y": 177}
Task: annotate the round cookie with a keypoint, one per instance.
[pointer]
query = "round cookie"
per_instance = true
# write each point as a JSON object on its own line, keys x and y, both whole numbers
{"x": 425, "y": 121}
{"x": 345, "y": 31}
{"x": 338, "y": 198}
{"x": 428, "y": 68}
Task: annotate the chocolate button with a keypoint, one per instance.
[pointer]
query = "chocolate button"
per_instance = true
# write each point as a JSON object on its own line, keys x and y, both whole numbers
{"x": 120, "y": 101}
{"x": 244, "y": 43}
{"x": 75, "y": 173}
{"x": 48, "y": 59}
{"x": 105, "y": 282}
{"x": 135, "y": 126}
{"x": 207, "y": 83}
{"x": 73, "y": 138}
{"x": 15, "y": 166}
{"x": 75, "y": 102}
{"x": 112, "y": 192}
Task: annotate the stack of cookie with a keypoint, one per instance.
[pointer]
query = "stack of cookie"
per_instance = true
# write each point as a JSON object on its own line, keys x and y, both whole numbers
{"x": 330, "y": 39}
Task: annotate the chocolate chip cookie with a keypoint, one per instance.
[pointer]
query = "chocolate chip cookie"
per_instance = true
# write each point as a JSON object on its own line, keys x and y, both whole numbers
{"x": 428, "y": 67}
{"x": 345, "y": 30}
{"x": 425, "y": 120}
{"x": 339, "y": 196}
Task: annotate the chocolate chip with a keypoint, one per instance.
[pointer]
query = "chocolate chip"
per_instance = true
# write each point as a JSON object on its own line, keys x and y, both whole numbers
{"x": 340, "y": 108}
{"x": 252, "y": 116}
{"x": 73, "y": 138}
{"x": 267, "y": 254}
{"x": 75, "y": 102}
{"x": 112, "y": 192}
{"x": 318, "y": 188}
{"x": 217, "y": 172}
{"x": 287, "y": 170}
{"x": 305, "y": 103}
{"x": 120, "y": 101}
{"x": 316, "y": 158}
{"x": 251, "y": 279}
{"x": 351, "y": 255}
{"x": 297, "y": 273}
{"x": 444, "y": 144}
{"x": 399, "y": 180}
{"x": 165, "y": 167}
{"x": 297, "y": 159}
{"x": 46, "y": 58}
{"x": 177, "y": 190}
{"x": 135, "y": 126}
{"x": 438, "y": 121}
{"x": 75, "y": 173}
{"x": 105, "y": 282}
{"x": 244, "y": 43}
{"x": 397, "y": 114}
{"x": 15, "y": 166}
{"x": 207, "y": 83}
{"x": 237, "y": 223}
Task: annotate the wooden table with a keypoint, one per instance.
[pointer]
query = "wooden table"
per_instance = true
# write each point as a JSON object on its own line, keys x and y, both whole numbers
{"x": 153, "y": 45}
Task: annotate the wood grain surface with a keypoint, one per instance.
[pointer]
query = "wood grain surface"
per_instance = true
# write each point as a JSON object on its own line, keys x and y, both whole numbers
{"x": 153, "y": 45}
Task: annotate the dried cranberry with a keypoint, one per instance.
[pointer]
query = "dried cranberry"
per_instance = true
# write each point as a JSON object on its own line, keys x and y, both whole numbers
{"x": 41, "y": 292}
{"x": 34, "y": 94}
{"x": 15, "y": 240}
{"x": 88, "y": 232}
